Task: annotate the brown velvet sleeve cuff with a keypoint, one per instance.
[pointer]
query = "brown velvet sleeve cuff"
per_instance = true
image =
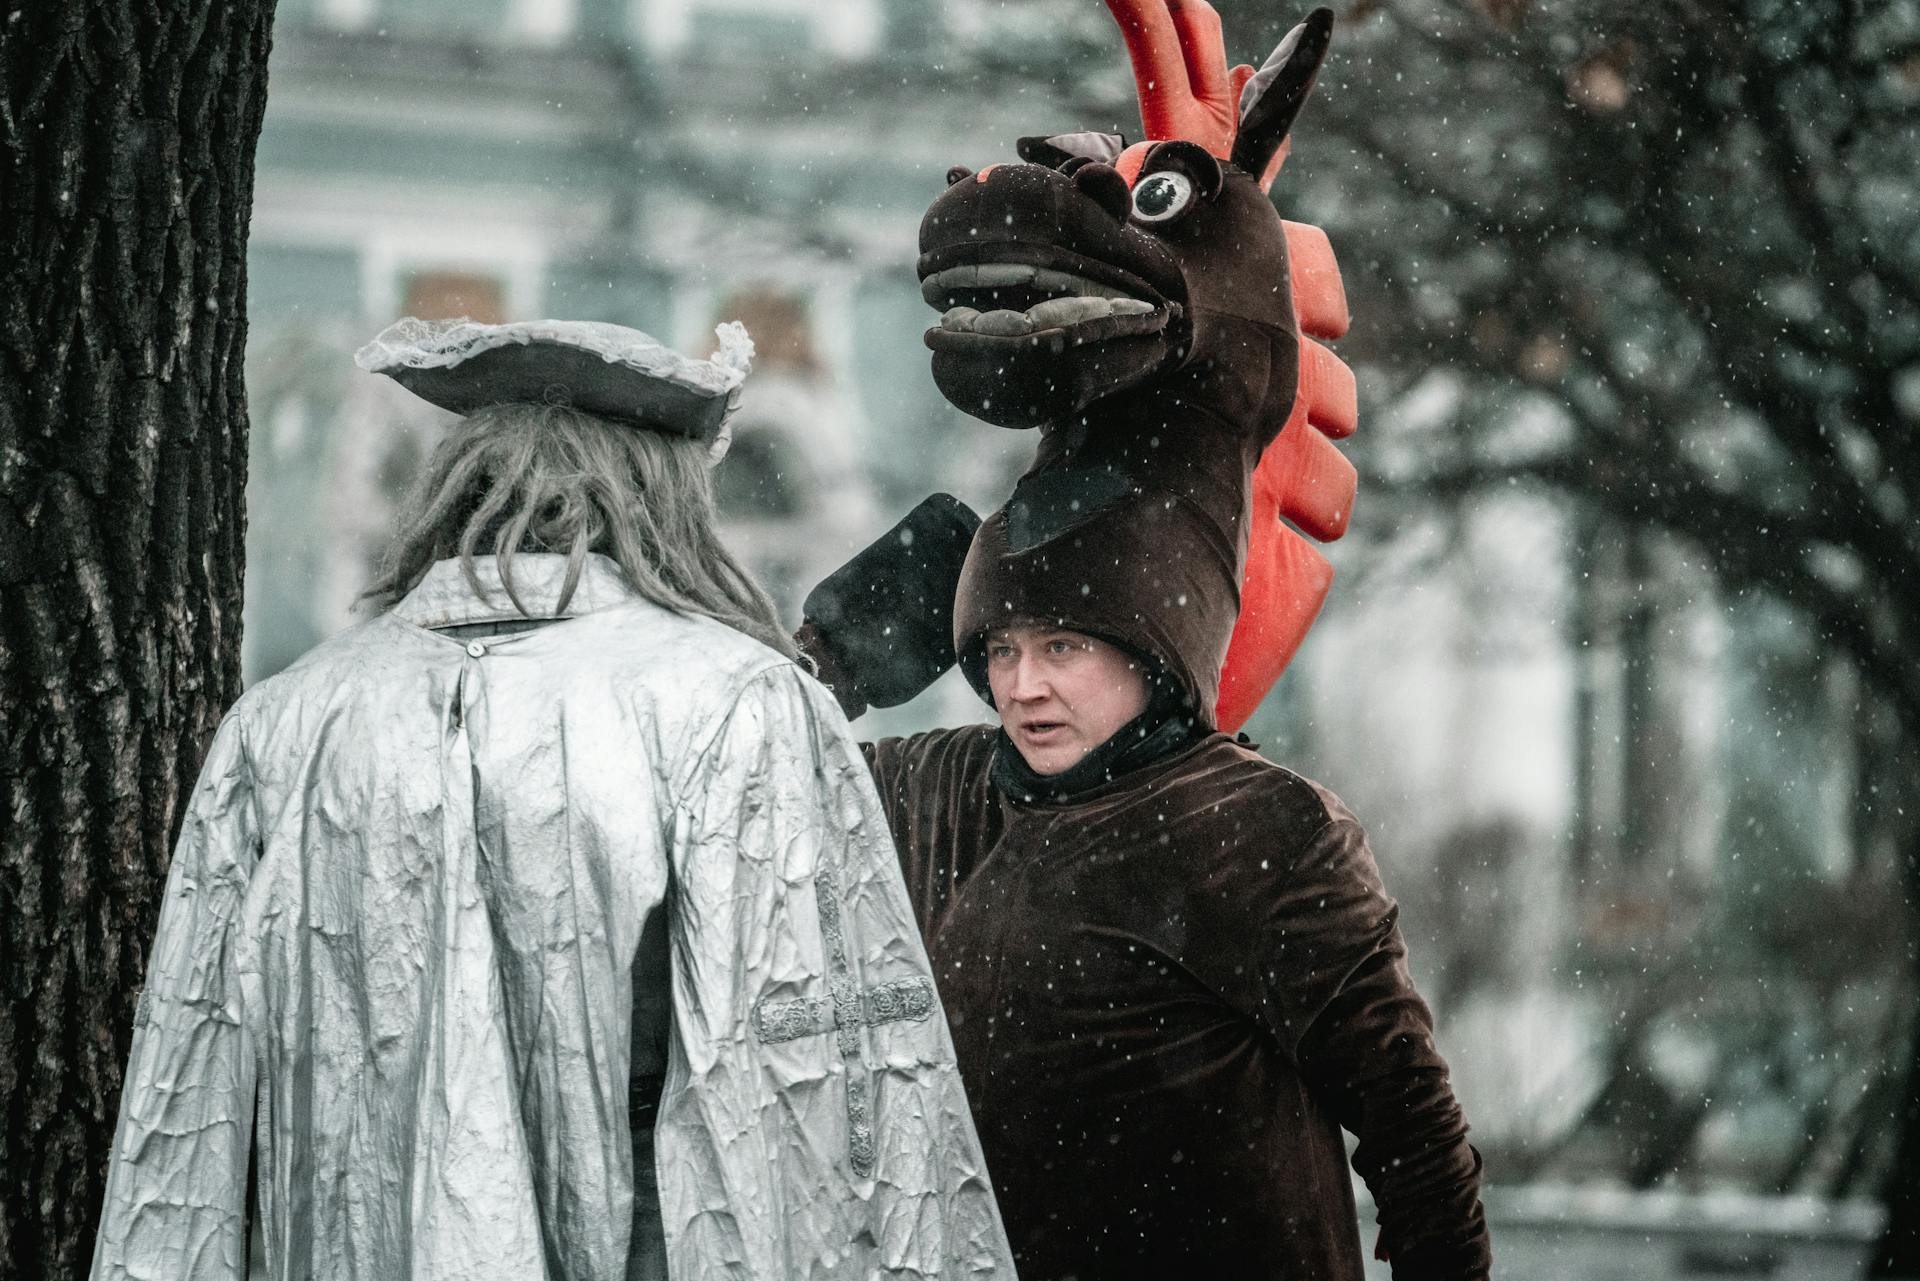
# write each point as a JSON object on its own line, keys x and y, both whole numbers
{"x": 813, "y": 646}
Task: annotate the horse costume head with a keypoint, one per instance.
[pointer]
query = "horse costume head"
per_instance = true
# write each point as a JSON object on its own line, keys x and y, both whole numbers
{"x": 1147, "y": 309}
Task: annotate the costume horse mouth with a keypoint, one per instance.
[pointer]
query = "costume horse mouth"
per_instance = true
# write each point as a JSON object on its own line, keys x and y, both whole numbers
{"x": 1037, "y": 296}
{"x": 1062, "y": 305}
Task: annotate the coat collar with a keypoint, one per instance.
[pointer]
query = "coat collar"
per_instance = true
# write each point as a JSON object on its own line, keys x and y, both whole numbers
{"x": 444, "y": 597}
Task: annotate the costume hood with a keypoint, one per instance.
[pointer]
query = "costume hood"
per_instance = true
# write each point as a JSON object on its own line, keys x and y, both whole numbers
{"x": 1146, "y": 570}
{"x": 1150, "y": 313}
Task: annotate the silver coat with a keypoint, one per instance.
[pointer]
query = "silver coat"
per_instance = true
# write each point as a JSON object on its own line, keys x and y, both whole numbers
{"x": 414, "y": 889}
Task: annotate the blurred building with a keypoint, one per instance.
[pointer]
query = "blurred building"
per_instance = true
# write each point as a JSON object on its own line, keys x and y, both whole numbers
{"x": 661, "y": 165}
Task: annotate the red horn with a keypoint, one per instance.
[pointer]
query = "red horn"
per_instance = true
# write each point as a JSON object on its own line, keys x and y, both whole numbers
{"x": 1180, "y": 71}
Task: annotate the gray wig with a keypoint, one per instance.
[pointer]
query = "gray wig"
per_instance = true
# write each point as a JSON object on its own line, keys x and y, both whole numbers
{"x": 514, "y": 478}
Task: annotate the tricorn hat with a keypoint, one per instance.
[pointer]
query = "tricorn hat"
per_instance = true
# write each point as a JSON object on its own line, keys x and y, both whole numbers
{"x": 606, "y": 370}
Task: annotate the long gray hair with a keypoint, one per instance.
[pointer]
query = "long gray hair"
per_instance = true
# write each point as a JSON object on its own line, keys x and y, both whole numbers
{"x": 514, "y": 478}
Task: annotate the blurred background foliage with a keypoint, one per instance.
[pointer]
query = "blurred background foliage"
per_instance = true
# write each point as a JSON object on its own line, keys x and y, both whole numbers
{"x": 1621, "y": 665}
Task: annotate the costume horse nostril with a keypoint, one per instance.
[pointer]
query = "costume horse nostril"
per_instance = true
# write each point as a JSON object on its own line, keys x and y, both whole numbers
{"x": 1106, "y": 187}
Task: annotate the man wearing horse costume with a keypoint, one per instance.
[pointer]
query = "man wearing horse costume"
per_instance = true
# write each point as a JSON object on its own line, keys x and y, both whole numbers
{"x": 1171, "y": 969}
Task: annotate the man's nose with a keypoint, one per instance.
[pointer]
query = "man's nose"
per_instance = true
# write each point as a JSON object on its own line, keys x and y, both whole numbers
{"x": 1028, "y": 682}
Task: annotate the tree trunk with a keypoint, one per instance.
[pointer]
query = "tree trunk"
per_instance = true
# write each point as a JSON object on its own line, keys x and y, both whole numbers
{"x": 1583, "y": 852}
{"x": 127, "y": 135}
{"x": 1898, "y": 1254}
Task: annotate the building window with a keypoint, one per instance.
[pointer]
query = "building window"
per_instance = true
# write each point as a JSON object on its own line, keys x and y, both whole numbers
{"x": 449, "y": 295}
{"x": 756, "y": 481}
{"x": 782, "y": 331}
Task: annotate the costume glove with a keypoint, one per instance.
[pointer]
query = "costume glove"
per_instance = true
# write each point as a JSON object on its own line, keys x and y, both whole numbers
{"x": 880, "y": 628}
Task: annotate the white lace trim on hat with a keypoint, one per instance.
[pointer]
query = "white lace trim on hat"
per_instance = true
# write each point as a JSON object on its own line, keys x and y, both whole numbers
{"x": 441, "y": 344}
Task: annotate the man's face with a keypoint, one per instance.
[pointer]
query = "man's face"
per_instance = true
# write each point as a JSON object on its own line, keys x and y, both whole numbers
{"x": 1061, "y": 694}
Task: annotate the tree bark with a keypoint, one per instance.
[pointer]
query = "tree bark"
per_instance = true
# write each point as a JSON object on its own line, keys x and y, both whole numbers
{"x": 1898, "y": 1251}
{"x": 127, "y": 135}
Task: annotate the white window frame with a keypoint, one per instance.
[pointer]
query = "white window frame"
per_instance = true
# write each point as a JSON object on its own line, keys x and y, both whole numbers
{"x": 347, "y": 15}
{"x": 850, "y": 29}
{"x": 540, "y": 22}
{"x": 388, "y": 259}
{"x": 546, "y": 22}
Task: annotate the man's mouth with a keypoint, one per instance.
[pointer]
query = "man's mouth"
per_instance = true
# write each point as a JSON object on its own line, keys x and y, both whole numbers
{"x": 1042, "y": 729}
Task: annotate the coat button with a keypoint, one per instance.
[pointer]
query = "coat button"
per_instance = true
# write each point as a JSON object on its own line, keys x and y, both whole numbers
{"x": 475, "y": 649}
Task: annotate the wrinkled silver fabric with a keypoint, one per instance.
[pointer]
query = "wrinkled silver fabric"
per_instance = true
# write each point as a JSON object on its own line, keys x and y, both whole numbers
{"x": 404, "y": 915}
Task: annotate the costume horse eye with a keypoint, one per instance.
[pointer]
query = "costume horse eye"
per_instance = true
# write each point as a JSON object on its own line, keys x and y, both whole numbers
{"x": 1161, "y": 196}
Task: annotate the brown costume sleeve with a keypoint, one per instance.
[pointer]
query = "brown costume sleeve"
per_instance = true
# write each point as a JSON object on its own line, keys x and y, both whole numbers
{"x": 938, "y": 801}
{"x": 1340, "y": 992}
{"x": 826, "y": 669}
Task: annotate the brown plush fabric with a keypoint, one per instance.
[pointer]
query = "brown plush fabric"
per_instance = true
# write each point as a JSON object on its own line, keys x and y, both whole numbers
{"x": 1167, "y": 998}
{"x": 880, "y": 627}
{"x": 828, "y": 671}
